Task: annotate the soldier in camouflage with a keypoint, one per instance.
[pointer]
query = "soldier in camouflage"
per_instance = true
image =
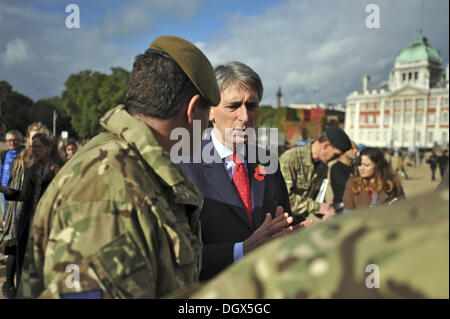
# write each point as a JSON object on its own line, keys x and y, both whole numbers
{"x": 391, "y": 251}
{"x": 120, "y": 214}
{"x": 305, "y": 168}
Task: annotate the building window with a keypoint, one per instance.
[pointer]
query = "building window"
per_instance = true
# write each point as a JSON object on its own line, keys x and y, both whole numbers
{"x": 433, "y": 102}
{"x": 444, "y": 138}
{"x": 386, "y": 136}
{"x": 430, "y": 137}
{"x": 404, "y": 76}
{"x": 398, "y": 105}
{"x": 445, "y": 117}
{"x": 377, "y": 136}
{"x": 397, "y": 118}
{"x": 362, "y": 119}
{"x": 377, "y": 118}
{"x": 416, "y": 75}
{"x": 418, "y": 137}
{"x": 446, "y": 101}
{"x": 387, "y": 105}
{"x": 369, "y": 136}
{"x": 361, "y": 135}
{"x": 395, "y": 136}
{"x": 406, "y": 136}
{"x": 419, "y": 117}
{"x": 431, "y": 118}
{"x": 387, "y": 118}
{"x": 370, "y": 119}
{"x": 408, "y": 103}
{"x": 409, "y": 76}
{"x": 408, "y": 117}
{"x": 420, "y": 103}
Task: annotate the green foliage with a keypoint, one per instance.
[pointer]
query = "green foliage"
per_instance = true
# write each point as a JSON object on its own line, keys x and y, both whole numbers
{"x": 15, "y": 107}
{"x": 88, "y": 95}
{"x": 271, "y": 117}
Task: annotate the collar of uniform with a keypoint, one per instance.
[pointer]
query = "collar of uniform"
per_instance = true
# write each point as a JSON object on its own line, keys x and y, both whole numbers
{"x": 306, "y": 149}
{"x": 136, "y": 133}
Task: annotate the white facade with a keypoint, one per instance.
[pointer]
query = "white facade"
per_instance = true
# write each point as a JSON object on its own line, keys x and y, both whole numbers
{"x": 409, "y": 110}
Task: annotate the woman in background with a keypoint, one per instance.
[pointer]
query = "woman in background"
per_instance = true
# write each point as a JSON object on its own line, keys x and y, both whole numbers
{"x": 8, "y": 239}
{"x": 374, "y": 183}
{"x": 70, "y": 148}
{"x": 44, "y": 164}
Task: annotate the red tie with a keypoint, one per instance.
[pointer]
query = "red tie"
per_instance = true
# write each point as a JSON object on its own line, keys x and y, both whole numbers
{"x": 242, "y": 183}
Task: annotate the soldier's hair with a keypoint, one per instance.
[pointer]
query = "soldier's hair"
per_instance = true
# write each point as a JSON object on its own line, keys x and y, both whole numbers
{"x": 323, "y": 137}
{"x": 385, "y": 178}
{"x": 16, "y": 133}
{"x": 238, "y": 73}
{"x": 158, "y": 87}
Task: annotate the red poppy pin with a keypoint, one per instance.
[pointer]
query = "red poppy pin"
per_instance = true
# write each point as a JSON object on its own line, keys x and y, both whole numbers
{"x": 260, "y": 173}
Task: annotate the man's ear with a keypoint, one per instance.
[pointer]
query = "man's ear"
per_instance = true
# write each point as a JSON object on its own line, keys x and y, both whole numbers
{"x": 192, "y": 108}
{"x": 211, "y": 114}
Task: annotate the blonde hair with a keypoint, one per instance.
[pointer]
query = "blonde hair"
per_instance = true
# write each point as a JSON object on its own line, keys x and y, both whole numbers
{"x": 24, "y": 157}
{"x": 55, "y": 160}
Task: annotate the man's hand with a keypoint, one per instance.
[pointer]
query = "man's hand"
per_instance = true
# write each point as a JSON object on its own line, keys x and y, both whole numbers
{"x": 327, "y": 211}
{"x": 271, "y": 228}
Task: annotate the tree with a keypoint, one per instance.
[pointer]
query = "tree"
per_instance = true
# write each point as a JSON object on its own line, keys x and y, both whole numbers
{"x": 88, "y": 95}
{"x": 15, "y": 107}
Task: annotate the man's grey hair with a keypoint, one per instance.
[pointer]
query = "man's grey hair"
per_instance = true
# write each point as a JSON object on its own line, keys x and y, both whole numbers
{"x": 16, "y": 133}
{"x": 238, "y": 73}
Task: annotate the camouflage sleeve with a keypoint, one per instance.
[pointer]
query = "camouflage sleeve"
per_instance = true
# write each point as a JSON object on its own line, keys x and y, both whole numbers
{"x": 398, "y": 251}
{"x": 100, "y": 251}
{"x": 297, "y": 187}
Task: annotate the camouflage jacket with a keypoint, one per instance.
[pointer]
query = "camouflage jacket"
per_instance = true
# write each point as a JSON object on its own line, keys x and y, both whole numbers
{"x": 391, "y": 251}
{"x": 303, "y": 179}
{"x": 119, "y": 212}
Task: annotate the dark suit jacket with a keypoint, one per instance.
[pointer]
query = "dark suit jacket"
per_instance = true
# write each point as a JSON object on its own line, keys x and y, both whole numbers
{"x": 224, "y": 220}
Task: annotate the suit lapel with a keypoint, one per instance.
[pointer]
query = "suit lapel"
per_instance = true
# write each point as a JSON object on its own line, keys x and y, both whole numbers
{"x": 218, "y": 178}
{"x": 257, "y": 187}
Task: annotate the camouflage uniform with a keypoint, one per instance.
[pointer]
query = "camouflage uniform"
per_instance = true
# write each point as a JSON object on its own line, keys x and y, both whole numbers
{"x": 408, "y": 242}
{"x": 123, "y": 213}
{"x": 303, "y": 179}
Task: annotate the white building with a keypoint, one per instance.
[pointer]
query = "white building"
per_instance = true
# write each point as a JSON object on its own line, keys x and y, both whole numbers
{"x": 408, "y": 110}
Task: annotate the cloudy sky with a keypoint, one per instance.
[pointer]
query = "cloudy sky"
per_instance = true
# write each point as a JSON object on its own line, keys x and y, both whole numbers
{"x": 317, "y": 51}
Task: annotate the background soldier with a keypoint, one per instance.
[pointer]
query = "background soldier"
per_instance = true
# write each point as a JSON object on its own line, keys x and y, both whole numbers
{"x": 120, "y": 211}
{"x": 305, "y": 168}
{"x": 396, "y": 251}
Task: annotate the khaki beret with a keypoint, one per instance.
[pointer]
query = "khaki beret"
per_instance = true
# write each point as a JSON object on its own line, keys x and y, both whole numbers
{"x": 194, "y": 64}
{"x": 338, "y": 138}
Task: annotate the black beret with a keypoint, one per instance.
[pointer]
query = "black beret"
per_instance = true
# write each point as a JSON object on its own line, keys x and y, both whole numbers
{"x": 193, "y": 63}
{"x": 338, "y": 138}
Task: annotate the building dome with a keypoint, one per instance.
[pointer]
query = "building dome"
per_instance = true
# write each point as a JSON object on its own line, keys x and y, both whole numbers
{"x": 419, "y": 50}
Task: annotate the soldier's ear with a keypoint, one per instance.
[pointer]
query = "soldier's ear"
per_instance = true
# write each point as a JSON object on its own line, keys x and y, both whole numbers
{"x": 193, "y": 108}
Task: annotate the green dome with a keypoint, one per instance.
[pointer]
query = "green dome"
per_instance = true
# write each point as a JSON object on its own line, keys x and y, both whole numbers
{"x": 419, "y": 49}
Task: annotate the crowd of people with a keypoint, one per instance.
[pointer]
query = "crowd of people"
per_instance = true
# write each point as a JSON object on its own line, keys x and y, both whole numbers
{"x": 139, "y": 225}
{"x": 26, "y": 169}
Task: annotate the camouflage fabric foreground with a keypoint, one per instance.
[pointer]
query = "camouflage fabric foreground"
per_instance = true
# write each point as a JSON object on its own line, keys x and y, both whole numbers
{"x": 402, "y": 249}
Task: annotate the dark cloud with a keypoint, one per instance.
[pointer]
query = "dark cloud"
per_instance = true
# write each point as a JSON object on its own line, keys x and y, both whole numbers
{"x": 317, "y": 51}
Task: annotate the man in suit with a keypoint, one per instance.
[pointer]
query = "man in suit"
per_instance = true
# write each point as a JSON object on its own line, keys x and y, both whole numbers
{"x": 243, "y": 207}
